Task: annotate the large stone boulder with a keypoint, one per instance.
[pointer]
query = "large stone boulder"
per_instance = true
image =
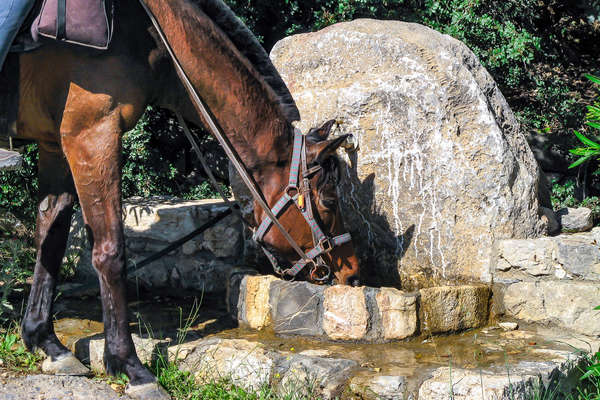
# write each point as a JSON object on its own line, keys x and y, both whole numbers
{"x": 443, "y": 169}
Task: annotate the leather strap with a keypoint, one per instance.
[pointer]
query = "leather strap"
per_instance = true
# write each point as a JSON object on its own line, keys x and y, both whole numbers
{"x": 61, "y": 19}
{"x": 216, "y": 131}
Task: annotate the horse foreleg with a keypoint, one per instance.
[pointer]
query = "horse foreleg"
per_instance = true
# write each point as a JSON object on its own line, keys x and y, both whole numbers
{"x": 57, "y": 196}
{"x": 93, "y": 154}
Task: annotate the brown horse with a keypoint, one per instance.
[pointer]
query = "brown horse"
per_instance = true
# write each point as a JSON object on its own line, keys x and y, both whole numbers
{"x": 76, "y": 103}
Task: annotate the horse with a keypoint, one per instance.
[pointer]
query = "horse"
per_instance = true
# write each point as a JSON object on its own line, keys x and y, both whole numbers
{"x": 77, "y": 102}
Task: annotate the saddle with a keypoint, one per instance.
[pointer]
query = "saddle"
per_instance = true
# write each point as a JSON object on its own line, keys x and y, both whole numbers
{"x": 86, "y": 23}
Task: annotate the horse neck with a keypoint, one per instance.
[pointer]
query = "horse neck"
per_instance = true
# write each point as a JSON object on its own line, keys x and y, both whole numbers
{"x": 242, "y": 104}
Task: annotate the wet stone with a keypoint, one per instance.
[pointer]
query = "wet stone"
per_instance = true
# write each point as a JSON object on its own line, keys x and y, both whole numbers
{"x": 236, "y": 289}
{"x": 345, "y": 314}
{"x": 520, "y": 382}
{"x": 381, "y": 387}
{"x": 309, "y": 377}
{"x": 398, "y": 312}
{"x": 257, "y": 308}
{"x": 454, "y": 308}
{"x": 297, "y": 308}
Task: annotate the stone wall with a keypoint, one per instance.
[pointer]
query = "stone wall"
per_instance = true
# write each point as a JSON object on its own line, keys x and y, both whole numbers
{"x": 200, "y": 265}
{"x": 551, "y": 280}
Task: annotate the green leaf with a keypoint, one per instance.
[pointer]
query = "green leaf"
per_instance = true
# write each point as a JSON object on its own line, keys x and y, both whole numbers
{"x": 597, "y": 308}
{"x": 583, "y": 151}
{"x": 586, "y": 141}
{"x": 593, "y": 124}
{"x": 580, "y": 161}
{"x": 593, "y": 78}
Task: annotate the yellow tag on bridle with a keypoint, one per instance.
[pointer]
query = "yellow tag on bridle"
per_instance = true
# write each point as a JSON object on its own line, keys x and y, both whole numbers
{"x": 301, "y": 200}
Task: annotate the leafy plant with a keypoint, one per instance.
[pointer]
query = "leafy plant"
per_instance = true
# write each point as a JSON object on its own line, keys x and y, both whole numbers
{"x": 13, "y": 354}
{"x": 591, "y": 149}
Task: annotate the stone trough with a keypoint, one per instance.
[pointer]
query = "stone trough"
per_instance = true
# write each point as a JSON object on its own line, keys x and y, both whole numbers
{"x": 355, "y": 314}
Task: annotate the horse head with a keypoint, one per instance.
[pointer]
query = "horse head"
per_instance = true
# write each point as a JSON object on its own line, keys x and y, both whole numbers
{"x": 314, "y": 218}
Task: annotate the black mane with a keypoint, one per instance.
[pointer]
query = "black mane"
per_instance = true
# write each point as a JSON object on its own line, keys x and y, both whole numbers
{"x": 248, "y": 45}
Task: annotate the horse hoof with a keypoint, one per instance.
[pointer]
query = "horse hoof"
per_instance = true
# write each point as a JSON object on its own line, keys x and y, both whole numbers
{"x": 147, "y": 391}
{"x": 64, "y": 365}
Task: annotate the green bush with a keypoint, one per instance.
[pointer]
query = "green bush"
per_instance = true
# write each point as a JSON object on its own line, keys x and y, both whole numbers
{"x": 18, "y": 189}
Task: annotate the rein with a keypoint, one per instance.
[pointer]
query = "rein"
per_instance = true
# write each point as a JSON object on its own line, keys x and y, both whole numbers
{"x": 301, "y": 197}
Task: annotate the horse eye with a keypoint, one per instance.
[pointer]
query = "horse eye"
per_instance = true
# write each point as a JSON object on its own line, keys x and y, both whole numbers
{"x": 329, "y": 202}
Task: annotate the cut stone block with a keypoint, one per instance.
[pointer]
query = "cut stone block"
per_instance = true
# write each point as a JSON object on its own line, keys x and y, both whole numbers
{"x": 296, "y": 308}
{"x": 345, "y": 314}
{"x": 563, "y": 303}
{"x": 398, "y": 313}
{"x": 257, "y": 306}
{"x": 454, "y": 308}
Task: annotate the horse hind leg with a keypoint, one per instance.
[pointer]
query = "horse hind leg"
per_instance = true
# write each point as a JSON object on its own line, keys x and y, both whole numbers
{"x": 57, "y": 196}
{"x": 93, "y": 153}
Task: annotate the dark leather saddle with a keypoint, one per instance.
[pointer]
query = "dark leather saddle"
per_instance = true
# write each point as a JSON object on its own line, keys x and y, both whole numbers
{"x": 86, "y": 23}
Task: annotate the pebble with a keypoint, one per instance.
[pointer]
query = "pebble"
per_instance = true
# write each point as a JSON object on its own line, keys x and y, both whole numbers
{"x": 508, "y": 326}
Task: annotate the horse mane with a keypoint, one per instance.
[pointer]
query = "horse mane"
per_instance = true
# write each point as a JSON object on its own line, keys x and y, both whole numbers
{"x": 247, "y": 44}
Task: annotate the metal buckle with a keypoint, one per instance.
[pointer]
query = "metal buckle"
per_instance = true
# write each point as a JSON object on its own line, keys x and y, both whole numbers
{"x": 320, "y": 272}
{"x": 326, "y": 245}
{"x": 290, "y": 188}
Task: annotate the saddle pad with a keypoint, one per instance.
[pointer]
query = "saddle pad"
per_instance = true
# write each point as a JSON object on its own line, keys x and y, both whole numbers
{"x": 84, "y": 22}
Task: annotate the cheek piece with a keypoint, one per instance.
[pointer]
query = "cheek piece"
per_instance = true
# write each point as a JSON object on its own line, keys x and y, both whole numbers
{"x": 300, "y": 196}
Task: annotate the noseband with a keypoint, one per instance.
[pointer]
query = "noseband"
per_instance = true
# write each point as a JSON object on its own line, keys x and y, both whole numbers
{"x": 300, "y": 196}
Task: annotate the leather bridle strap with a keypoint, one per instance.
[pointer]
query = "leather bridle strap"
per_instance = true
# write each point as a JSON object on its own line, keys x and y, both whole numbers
{"x": 302, "y": 200}
{"x": 216, "y": 131}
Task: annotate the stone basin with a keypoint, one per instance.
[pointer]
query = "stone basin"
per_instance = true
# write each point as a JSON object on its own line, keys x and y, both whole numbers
{"x": 354, "y": 314}
{"x": 420, "y": 367}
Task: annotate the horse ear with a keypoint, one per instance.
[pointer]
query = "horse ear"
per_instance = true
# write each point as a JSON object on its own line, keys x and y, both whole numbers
{"x": 322, "y": 133}
{"x": 318, "y": 152}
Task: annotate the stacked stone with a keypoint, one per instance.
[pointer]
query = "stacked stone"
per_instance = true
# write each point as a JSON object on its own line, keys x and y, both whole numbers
{"x": 151, "y": 224}
{"x": 551, "y": 280}
{"x": 365, "y": 314}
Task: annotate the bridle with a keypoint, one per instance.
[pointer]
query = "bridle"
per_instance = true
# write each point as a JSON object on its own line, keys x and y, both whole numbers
{"x": 300, "y": 196}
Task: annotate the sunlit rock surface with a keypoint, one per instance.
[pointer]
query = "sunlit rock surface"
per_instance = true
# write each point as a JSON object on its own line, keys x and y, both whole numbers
{"x": 443, "y": 170}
